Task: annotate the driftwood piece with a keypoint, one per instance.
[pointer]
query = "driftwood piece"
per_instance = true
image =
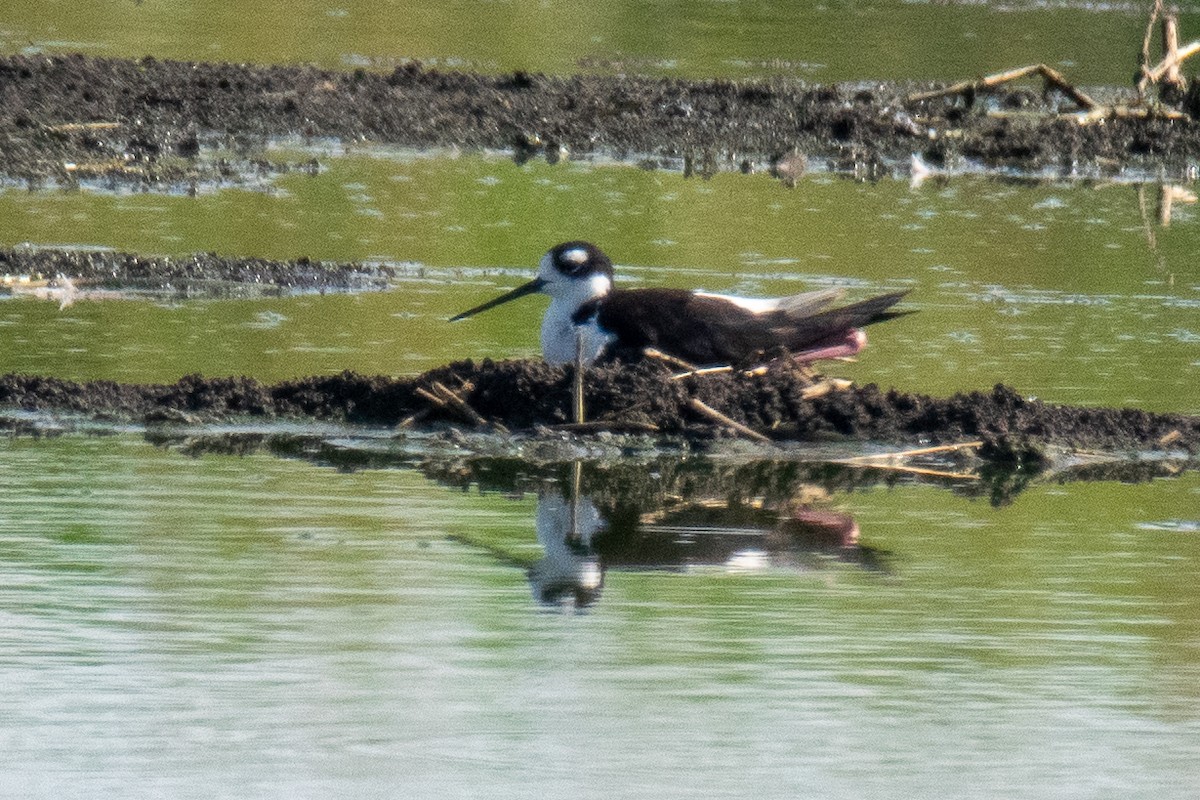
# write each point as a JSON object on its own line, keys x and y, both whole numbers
{"x": 895, "y": 461}
{"x": 1170, "y": 438}
{"x": 1155, "y": 11}
{"x": 922, "y": 471}
{"x": 1052, "y": 77}
{"x": 413, "y": 419}
{"x": 1090, "y": 110}
{"x": 1163, "y": 67}
{"x": 1126, "y": 112}
{"x": 1173, "y": 75}
{"x": 1168, "y": 72}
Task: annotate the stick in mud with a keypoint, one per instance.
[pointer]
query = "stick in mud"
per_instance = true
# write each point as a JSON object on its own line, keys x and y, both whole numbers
{"x": 577, "y": 382}
{"x": 459, "y": 405}
{"x": 703, "y": 408}
{"x": 701, "y": 372}
{"x": 606, "y": 425}
{"x": 651, "y": 352}
{"x": 445, "y": 398}
{"x": 825, "y": 387}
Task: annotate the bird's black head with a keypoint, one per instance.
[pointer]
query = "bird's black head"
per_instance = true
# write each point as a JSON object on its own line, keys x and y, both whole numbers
{"x": 578, "y": 260}
{"x": 577, "y": 272}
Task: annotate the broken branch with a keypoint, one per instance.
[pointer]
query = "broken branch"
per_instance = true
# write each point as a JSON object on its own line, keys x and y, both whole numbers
{"x": 1172, "y": 60}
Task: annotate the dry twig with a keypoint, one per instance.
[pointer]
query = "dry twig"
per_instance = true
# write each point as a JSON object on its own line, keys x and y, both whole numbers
{"x": 577, "y": 382}
{"x": 414, "y": 418}
{"x": 651, "y": 352}
{"x": 71, "y": 127}
{"x": 1170, "y": 438}
{"x": 599, "y": 425}
{"x": 706, "y": 410}
{"x": 1167, "y": 71}
{"x": 443, "y": 397}
{"x": 701, "y": 372}
{"x": 825, "y": 387}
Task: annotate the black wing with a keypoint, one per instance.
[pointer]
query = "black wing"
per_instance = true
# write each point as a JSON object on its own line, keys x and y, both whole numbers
{"x": 704, "y": 330}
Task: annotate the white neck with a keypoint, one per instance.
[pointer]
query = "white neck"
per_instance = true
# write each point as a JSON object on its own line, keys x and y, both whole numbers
{"x": 559, "y": 331}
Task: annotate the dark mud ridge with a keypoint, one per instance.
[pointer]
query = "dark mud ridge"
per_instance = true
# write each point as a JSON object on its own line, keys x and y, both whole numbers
{"x": 198, "y": 273}
{"x": 532, "y": 397}
{"x": 67, "y": 118}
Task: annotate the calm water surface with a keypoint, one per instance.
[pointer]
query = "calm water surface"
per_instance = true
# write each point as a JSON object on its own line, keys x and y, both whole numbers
{"x": 1095, "y": 42}
{"x": 248, "y": 626}
{"x": 176, "y": 622}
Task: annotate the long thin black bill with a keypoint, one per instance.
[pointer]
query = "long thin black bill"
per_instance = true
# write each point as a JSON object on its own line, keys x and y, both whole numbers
{"x": 527, "y": 288}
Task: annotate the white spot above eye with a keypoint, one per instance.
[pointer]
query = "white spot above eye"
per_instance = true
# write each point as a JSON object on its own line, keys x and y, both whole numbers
{"x": 576, "y": 255}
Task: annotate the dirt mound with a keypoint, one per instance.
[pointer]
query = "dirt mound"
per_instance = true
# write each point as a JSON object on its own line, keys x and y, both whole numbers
{"x": 199, "y": 272}
{"x": 531, "y": 395}
{"x": 147, "y": 121}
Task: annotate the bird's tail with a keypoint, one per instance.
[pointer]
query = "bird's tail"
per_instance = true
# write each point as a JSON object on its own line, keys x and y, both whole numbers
{"x": 806, "y": 304}
{"x": 836, "y": 321}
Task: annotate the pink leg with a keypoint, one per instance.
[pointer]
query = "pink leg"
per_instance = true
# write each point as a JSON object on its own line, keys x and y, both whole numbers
{"x": 848, "y": 344}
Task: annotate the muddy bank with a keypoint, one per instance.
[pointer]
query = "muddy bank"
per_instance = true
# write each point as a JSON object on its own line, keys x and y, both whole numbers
{"x": 63, "y": 118}
{"x": 29, "y": 270}
{"x": 513, "y": 396}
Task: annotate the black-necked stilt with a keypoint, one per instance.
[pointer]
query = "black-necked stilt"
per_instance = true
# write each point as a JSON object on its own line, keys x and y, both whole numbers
{"x": 703, "y": 329}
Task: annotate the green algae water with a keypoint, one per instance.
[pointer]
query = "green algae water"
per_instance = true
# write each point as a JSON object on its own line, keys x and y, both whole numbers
{"x": 822, "y": 42}
{"x": 222, "y": 625}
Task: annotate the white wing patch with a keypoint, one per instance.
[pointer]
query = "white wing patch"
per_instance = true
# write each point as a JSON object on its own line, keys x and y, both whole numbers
{"x": 755, "y": 305}
{"x": 796, "y": 305}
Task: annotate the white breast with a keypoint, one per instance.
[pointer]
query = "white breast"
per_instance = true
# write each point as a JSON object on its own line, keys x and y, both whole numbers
{"x": 559, "y": 336}
{"x": 558, "y": 331}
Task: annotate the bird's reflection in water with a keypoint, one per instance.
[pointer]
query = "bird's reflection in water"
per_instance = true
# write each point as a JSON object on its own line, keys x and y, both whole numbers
{"x": 570, "y": 573}
{"x": 582, "y": 542}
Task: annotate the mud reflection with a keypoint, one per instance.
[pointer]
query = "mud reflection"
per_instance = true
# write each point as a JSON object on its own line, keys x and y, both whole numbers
{"x": 1000, "y": 482}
